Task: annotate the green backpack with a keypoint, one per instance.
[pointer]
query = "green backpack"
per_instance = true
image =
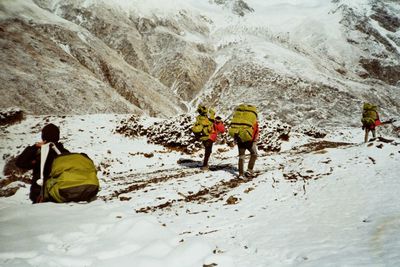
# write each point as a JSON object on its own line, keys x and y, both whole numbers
{"x": 369, "y": 115}
{"x": 73, "y": 177}
{"x": 243, "y": 121}
{"x": 203, "y": 124}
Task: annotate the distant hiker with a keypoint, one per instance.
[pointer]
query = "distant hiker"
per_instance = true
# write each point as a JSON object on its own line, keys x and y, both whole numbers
{"x": 370, "y": 119}
{"x": 244, "y": 130}
{"x": 30, "y": 159}
{"x": 206, "y": 129}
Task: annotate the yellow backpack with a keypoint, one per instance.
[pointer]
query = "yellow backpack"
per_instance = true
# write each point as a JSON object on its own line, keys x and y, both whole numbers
{"x": 203, "y": 124}
{"x": 369, "y": 115}
{"x": 243, "y": 121}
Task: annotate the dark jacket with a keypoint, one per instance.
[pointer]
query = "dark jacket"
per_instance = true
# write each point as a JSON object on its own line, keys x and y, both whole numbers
{"x": 30, "y": 159}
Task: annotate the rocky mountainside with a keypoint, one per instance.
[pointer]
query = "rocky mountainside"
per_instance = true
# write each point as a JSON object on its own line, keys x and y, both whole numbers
{"x": 312, "y": 62}
{"x": 311, "y": 73}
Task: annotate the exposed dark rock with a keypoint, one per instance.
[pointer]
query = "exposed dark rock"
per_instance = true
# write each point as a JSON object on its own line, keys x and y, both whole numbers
{"x": 11, "y": 116}
{"x": 13, "y": 174}
{"x": 365, "y": 27}
{"x": 318, "y": 146}
{"x": 381, "y": 56}
{"x": 375, "y": 69}
{"x": 388, "y": 21}
{"x": 238, "y": 7}
{"x": 311, "y": 131}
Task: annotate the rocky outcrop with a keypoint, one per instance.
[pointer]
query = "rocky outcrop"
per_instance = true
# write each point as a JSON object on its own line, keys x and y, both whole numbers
{"x": 381, "y": 50}
{"x": 175, "y": 133}
{"x": 238, "y": 7}
{"x": 389, "y": 74}
{"x": 10, "y": 116}
{"x": 386, "y": 19}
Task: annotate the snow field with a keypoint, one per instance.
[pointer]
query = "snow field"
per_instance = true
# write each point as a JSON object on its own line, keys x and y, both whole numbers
{"x": 333, "y": 206}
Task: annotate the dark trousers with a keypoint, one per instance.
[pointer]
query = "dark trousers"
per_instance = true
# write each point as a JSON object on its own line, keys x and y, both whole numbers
{"x": 34, "y": 192}
{"x": 252, "y": 147}
{"x": 208, "y": 144}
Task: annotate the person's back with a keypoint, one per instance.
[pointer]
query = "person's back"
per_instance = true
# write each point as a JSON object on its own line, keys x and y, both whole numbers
{"x": 370, "y": 119}
{"x": 251, "y": 146}
{"x": 216, "y": 128}
{"x": 206, "y": 129}
{"x": 245, "y": 131}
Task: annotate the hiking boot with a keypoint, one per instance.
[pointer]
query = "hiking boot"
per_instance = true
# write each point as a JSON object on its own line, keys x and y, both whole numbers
{"x": 205, "y": 168}
{"x": 241, "y": 177}
{"x": 249, "y": 173}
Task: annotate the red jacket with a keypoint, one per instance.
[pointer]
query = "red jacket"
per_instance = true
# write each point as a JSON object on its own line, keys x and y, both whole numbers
{"x": 256, "y": 132}
{"x": 377, "y": 122}
{"x": 218, "y": 127}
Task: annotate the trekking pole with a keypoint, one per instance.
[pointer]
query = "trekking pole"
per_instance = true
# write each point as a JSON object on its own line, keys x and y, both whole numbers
{"x": 390, "y": 121}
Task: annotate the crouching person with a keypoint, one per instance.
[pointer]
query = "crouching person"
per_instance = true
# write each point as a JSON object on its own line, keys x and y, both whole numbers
{"x": 63, "y": 176}
{"x": 30, "y": 159}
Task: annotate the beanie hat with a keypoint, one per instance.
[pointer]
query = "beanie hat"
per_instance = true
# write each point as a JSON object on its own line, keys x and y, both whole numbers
{"x": 202, "y": 110}
{"x": 50, "y": 133}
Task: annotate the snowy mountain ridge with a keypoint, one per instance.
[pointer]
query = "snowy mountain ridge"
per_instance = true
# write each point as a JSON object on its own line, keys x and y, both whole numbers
{"x": 313, "y": 61}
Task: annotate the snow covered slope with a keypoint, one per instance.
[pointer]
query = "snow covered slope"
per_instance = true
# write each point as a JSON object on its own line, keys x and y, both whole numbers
{"x": 329, "y": 201}
{"x": 311, "y": 60}
{"x": 50, "y": 65}
{"x": 308, "y": 60}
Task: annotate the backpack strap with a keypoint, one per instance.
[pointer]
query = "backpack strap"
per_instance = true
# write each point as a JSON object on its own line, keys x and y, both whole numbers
{"x": 54, "y": 147}
{"x": 44, "y": 152}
